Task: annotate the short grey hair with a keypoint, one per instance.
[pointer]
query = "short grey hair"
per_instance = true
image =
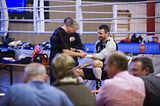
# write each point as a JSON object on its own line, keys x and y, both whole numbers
{"x": 34, "y": 69}
{"x": 68, "y": 21}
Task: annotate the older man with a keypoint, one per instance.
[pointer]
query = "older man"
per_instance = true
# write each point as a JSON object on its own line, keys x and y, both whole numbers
{"x": 36, "y": 92}
{"x": 66, "y": 40}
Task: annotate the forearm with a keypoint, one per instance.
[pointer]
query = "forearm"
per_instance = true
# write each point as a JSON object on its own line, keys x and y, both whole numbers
{"x": 95, "y": 56}
{"x": 72, "y": 53}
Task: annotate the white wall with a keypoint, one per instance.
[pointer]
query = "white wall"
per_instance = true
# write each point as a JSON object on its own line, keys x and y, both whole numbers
{"x": 139, "y": 10}
{"x": 136, "y": 10}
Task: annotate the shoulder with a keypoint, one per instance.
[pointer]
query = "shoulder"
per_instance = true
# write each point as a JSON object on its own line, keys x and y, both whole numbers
{"x": 134, "y": 78}
{"x": 75, "y": 89}
{"x": 16, "y": 86}
{"x": 19, "y": 88}
{"x": 109, "y": 83}
{"x": 77, "y": 34}
{"x": 57, "y": 31}
{"x": 56, "y": 90}
{"x": 110, "y": 39}
{"x": 98, "y": 41}
{"x": 111, "y": 42}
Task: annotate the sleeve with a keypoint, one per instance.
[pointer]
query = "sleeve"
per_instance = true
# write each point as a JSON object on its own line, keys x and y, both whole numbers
{"x": 55, "y": 41}
{"x": 109, "y": 47}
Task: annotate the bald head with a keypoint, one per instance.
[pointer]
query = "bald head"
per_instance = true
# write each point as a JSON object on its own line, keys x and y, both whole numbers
{"x": 34, "y": 71}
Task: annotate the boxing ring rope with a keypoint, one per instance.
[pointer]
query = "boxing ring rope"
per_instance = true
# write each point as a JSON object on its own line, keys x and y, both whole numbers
{"x": 119, "y": 3}
{"x": 80, "y": 20}
{"x": 86, "y": 33}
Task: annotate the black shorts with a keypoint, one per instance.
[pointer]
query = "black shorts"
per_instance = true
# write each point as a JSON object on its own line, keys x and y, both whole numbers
{"x": 88, "y": 74}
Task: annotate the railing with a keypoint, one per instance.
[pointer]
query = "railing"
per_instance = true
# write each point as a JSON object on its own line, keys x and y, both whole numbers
{"x": 78, "y": 10}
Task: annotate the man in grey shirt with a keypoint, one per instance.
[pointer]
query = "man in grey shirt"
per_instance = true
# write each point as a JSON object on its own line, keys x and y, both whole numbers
{"x": 36, "y": 92}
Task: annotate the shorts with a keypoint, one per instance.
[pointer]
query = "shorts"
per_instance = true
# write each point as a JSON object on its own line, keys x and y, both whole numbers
{"x": 88, "y": 74}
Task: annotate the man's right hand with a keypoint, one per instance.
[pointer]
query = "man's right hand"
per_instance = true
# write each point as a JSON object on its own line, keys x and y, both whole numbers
{"x": 82, "y": 54}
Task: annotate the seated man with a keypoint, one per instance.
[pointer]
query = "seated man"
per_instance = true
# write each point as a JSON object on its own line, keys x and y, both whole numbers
{"x": 122, "y": 89}
{"x": 103, "y": 47}
{"x": 143, "y": 67}
{"x": 36, "y": 92}
{"x": 79, "y": 94}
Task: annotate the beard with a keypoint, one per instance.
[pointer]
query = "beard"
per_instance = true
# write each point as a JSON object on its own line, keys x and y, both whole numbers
{"x": 100, "y": 38}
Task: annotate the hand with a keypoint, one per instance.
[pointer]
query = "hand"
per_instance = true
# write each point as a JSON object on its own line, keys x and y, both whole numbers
{"x": 92, "y": 56}
{"x": 82, "y": 54}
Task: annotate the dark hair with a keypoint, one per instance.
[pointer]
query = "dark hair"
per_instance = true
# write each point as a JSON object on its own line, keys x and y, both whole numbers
{"x": 146, "y": 63}
{"x": 118, "y": 59}
{"x": 105, "y": 27}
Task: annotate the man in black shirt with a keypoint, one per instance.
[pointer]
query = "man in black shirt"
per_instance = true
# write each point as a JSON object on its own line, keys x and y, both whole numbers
{"x": 66, "y": 40}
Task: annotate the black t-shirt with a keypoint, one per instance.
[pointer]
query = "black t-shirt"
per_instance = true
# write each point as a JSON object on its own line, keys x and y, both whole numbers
{"x": 61, "y": 40}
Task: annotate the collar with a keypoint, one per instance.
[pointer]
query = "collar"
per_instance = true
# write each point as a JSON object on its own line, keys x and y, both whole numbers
{"x": 107, "y": 39}
{"x": 68, "y": 80}
{"x": 123, "y": 73}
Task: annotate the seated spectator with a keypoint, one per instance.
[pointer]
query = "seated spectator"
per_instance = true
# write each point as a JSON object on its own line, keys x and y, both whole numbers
{"x": 140, "y": 39}
{"x": 134, "y": 38}
{"x": 155, "y": 39}
{"x": 122, "y": 89}
{"x": 36, "y": 92}
{"x": 143, "y": 67}
{"x": 126, "y": 40}
{"x": 79, "y": 94}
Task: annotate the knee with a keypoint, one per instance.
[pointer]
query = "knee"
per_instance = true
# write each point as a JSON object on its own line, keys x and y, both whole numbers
{"x": 97, "y": 64}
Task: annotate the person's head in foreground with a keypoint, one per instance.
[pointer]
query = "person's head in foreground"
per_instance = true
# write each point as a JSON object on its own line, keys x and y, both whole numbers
{"x": 115, "y": 63}
{"x": 63, "y": 65}
{"x": 35, "y": 71}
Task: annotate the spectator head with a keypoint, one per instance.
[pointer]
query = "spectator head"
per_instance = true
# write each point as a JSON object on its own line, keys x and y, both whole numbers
{"x": 35, "y": 71}
{"x": 115, "y": 63}
{"x": 71, "y": 25}
{"x": 141, "y": 66}
{"x": 103, "y": 32}
{"x": 63, "y": 65}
